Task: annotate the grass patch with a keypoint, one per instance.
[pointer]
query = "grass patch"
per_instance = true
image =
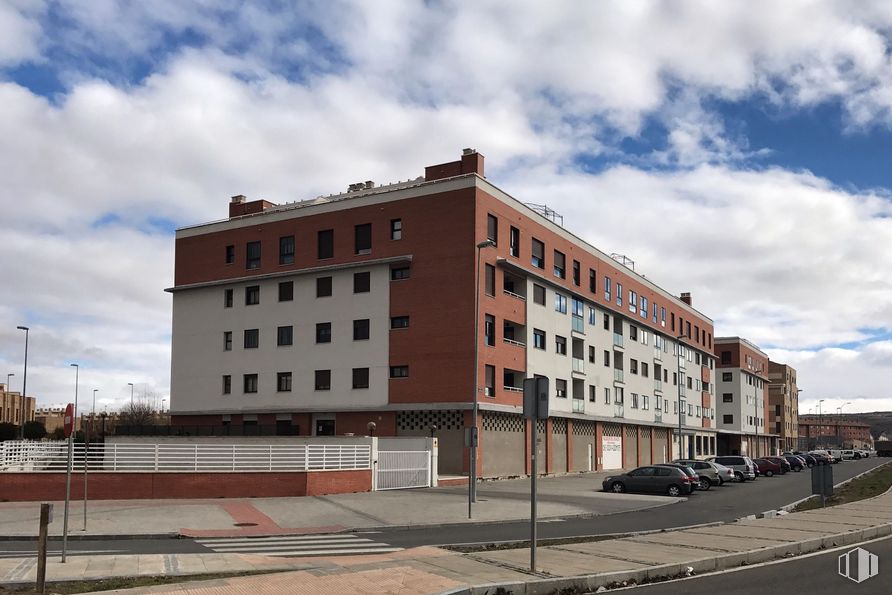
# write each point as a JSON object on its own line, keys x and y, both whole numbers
{"x": 873, "y": 484}
{"x": 68, "y": 587}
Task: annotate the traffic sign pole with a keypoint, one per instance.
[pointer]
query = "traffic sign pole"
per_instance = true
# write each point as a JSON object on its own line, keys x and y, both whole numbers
{"x": 69, "y": 431}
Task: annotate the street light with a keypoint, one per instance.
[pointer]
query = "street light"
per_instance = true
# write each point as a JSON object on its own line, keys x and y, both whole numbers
{"x": 839, "y": 420}
{"x": 77, "y": 371}
{"x": 130, "y": 384}
{"x": 820, "y": 419}
{"x": 8, "y": 376}
{"x": 472, "y": 484}
{"x": 678, "y": 353}
{"x": 24, "y": 381}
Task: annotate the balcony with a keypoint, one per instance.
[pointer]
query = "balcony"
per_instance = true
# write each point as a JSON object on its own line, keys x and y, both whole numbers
{"x": 513, "y": 342}
{"x": 658, "y": 385}
{"x": 513, "y": 333}
{"x": 617, "y": 340}
{"x": 578, "y": 405}
{"x": 618, "y": 375}
{"x": 658, "y": 354}
{"x": 512, "y": 381}
{"x": 578, "y": 324}
{"x": 619, "y": 410}
{"x": 514, "y": 286}
{"x": 514, "y": 295}
{"x": 578, "y": 366}
{"x": 658, "y": 417}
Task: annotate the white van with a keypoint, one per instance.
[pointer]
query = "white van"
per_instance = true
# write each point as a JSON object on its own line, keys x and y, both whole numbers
{"x": 836, "y": 454}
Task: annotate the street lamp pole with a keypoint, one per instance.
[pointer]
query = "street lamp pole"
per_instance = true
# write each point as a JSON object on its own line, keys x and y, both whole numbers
{"x": 839, "y": 421}
{"x": 820, "y": 419}
{"x": 70, "y": 456}
{"x": 24, "y": 381}
{"x": 678, "y": 353}
{"x": 8, "y": 376}
{"x": 130, "y": 384}
{"x": 472, "y": 484}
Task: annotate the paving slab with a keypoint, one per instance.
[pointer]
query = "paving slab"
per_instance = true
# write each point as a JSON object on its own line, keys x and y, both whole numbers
{"x": 622, "y": 549}
{"x": 749, "y": 532}
{"x": 841, "y": 519}
{"x": 719, "y": 543}
{"x": 797, "y": 522}
{"x": 558, "y": 562}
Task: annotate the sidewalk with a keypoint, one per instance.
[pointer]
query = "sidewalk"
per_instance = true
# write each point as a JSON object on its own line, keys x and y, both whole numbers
{"x": 572, "y": 495}
{"x": 432, "y": 570}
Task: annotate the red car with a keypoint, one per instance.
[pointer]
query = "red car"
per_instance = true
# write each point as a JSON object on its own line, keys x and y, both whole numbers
{"x": 766, "y": 467}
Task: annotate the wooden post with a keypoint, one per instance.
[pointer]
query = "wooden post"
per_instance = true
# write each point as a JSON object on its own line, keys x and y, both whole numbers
{"x": 45, "y": 511}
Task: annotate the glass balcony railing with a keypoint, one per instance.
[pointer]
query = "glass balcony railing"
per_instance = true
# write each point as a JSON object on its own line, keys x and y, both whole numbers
{"x": 617, "y": 339}
{"x": 578, "y": 406}
{"x": 658, "y": 384}
{"x": 618, "y": 375}
{"x": 658, "y": 416}
{"x": 578, "y": 365}
{"x": 578, "y": 324}
{"x": 619, "y": 410}
{"x": 658, "y": 354}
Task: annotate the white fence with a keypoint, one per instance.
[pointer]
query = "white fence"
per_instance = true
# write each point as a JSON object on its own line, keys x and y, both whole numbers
{"x": 51, "y": 457}
{"x": 403, "y": 469}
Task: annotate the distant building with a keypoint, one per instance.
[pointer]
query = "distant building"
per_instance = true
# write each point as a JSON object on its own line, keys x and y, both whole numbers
{"x": 741, "y": 406}
{"x": 15, "y": 409}
{"x": 832, "y": 430}
{"x": 783, "y": 402}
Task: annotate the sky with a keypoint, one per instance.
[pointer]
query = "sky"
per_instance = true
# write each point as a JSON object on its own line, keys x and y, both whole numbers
{"x": 738, "y": 151}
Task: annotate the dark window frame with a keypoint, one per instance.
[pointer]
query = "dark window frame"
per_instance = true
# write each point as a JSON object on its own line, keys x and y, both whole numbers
{"x": 252, "y": 259}
{"x": 286, "y": 291}
{"x": 360, "y": 378}
{"x": 362, "y": 282}
{"x": 324, "y": 244}
{"x": 286, "y": 250}
{"x": 323, "y": 332}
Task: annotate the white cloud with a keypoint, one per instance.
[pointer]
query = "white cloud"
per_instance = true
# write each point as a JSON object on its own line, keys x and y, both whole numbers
{"x": 19, "y": 31}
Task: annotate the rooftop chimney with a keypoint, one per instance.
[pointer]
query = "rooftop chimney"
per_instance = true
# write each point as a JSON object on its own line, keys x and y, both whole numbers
{"x": 471, "y": 162}
{"x": 239, "y": 199}
{"x": 686, "y": 298}
{"x": 239, "y": 206}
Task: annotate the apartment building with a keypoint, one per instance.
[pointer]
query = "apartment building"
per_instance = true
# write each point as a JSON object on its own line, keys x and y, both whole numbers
{"x": 783, "y": 403}
{"x": 326, "y": 315}
{"x": 741, "y": 403}
{"x": 15, "y": 409}
{"x": 834, "y": 431}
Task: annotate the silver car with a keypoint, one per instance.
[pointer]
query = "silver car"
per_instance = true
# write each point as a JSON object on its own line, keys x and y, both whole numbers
{"x": 743, "y": 467}
{"x": 707, "y": 472}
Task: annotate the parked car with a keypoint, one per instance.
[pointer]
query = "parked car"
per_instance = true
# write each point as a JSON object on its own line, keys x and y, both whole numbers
{"x": 784, "y": 464}
{"x": 652, "y": 478}
{"x": 810, "y": 461}
{"x": 796, "y": 463}
{"x": 726, "y": 474}
{"x": 861, "y": 454}
{"x": 706, "y": 471}
{"x": 767, "y": 468}
{"x": 849, "y": 455}
{"x": 743, "y": 466}
{"x": 821, "y": 456}
{"x": 689, "y": 471}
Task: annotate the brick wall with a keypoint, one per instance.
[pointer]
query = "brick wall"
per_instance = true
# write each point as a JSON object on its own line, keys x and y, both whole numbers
{"x": 32, "y": 487}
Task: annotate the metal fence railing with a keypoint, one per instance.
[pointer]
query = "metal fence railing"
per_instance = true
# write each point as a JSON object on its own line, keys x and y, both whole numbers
{"x": 403, "y": 469}
{"x": 49, "y": 457}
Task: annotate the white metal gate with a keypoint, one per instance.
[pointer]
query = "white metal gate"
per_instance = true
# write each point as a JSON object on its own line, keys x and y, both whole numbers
{"x": 403, "y": 469}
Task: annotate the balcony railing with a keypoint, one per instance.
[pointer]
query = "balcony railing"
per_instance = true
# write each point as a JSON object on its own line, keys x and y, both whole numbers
{"x": 658, "y": 353}
{"x": 513, "y": 342}
{"x": 578, "y": 406}
{"x": 578, "y": 324}
{"x": 619, "y": 410}
{"x": 658, "y": 416}
{"x": 578, "y": 365}
{"x": 513, "y": 389}
{"x": 618, "y": 375}
{"x": 617, "y": 339}
{"x": 514, "y": 295}
{"x": 658, "y": 384}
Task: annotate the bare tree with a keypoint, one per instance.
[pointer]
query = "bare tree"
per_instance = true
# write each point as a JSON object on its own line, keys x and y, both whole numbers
{"x": 138, "y": 413}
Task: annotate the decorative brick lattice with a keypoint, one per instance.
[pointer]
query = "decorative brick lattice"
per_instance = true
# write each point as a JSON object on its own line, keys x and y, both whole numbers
{"x": 631, "y": 434}
{"x": 614, "y": 430}
{"x": 583, "y": 428}
{"x": 645, "y": 433}
{"x": 559, "y": 426}
{"x": 503, "y": 422}
{"x": 422, "y": 420}
{"x": 540, "y": 427}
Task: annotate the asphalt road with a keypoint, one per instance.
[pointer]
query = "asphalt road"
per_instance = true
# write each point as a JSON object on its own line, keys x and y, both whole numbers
{"x": 816, "y": 575}
{"x": 725, "y": 503}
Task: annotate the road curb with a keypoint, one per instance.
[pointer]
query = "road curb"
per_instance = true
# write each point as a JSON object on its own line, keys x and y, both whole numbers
{"x": 172, "y": 535}
{"x": 592, "y": 582}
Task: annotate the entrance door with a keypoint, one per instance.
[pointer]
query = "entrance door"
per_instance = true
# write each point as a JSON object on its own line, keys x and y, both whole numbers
{"x": 325, "y": 427}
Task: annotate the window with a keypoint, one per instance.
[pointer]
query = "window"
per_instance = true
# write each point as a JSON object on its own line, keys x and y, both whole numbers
{"x": 576, "y": 279}
{"x": 606, "y": 321}
{"x": 591, "y": 354}
{"x": 538, "y": 339}
{"x": 323, "y": 332}
{"x": 323, "y": 286}
{"x": 727, "y": 376}
{"x": 252, "y": 338}
{"x": 362, "y": 282}
{"x": 360, "y": 377}
{"x": 672, "y": 320}
{"x": 489, "y": 381}
{"x": 633, "y": 366}
{"x": 606, "y": 359}
{"x": 688, "y": 329}
{"x": 250, "y": 383}
{"x": 727, "y": 397}
{"x": 634, "y": 401}
{"x": 560, "y": 264}
{"x": 662, "y": 317}
{"x": 643, "y": 307}
{"x": 492, "y": 228}
{"x": 489, "y": 330}
{"x": 592, "y": 393}
{"x": 633, "y": 302}
{"x": 227, "y": 340}
{"x": 607, "y": 288}
{"x": 726, "y": 357}
{"x": 489, "y": 285}
{"x": 323, "y": 380}
{"x": 560, "y": 387}
{"x": 361, "y": 329}
{"x": 252, "y": 259}
{"x": 283, "y": 382}
{"x": 592, "y": 281}
{"x": 362, "y": 238}
{"x": 230, "y": 254}
{"x": 285, "y": 336}
{"x": 633, "y": 332}
{"x": 399, "y": 371}
{"x": 727, "y": 419}
{"x": 644, "y": 337}
{"x": 644, "y": 369}
{"x": 560, "y": 344}
{"x": 591, "y": 315}
{"x": 286, "y": 250}
{"x": 325, "y": 244}
{"x": 656, "y": 317}
{"x": 607, "y": 395}
{"x": 227, "y": 384}
{"x": 619, "y": 294}
{"x": 399, "y": 322}
{"x": 399, "y": 273}
{"x": 514, "y": 240}
{"x": 396, "y": 229}
{"x": 286, "y": 291}
{"x": 227, "y": 298}
{"x": 252, "y": 295}
{"x": 538, "y": 259}
{"x": 538, "y": 294}
{"x": 560, "y": 303}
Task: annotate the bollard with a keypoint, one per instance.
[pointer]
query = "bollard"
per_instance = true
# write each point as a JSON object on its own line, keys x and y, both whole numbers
{"x": 46, "y": 517}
